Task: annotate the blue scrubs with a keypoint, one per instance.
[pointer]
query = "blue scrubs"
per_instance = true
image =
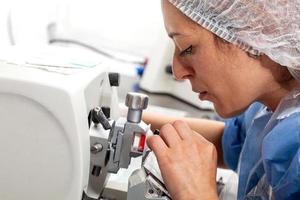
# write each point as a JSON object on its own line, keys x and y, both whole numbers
{"x": 267, "y": 160}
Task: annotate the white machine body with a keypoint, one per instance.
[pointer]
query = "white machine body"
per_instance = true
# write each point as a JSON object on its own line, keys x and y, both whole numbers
{"x": 44, "y": 146}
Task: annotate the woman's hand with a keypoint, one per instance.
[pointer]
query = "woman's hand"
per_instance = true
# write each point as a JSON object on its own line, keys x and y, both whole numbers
{"x": 187, "y": 161}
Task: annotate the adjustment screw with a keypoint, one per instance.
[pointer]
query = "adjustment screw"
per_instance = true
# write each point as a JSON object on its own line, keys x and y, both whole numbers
{"x": 96, "y": 148}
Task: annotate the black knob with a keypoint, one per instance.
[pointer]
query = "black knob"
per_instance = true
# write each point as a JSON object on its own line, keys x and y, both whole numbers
{"x": 106, "y": 111}
{"x": 156, "y": 132}
{"x": 98, "y": 116}
{"x": 169, "y": 70}
{"x": 114, "y": 79}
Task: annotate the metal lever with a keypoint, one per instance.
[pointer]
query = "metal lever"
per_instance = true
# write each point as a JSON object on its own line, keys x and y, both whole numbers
{"x": 99, "y": 117}
{"x": 136, "y": 103}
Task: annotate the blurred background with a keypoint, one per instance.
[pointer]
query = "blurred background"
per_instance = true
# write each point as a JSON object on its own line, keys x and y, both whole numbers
{"x": 129, "y": 33}
{"x": 126, "y": 26}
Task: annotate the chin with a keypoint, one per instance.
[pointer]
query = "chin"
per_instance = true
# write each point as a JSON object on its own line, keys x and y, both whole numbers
{"x": 225, "y": 112}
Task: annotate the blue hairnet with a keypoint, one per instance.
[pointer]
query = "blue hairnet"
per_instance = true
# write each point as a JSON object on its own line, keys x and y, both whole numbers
{"x": 270, "y": 27}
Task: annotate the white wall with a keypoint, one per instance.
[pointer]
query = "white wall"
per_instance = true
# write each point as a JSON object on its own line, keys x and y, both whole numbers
{"x": 30, "y": 19}
{"x": 131, "y": 26}
{"x": 4, "y": 26}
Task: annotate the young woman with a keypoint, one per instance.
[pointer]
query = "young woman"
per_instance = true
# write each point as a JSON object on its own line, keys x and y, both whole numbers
{"x": 244, "y": 56}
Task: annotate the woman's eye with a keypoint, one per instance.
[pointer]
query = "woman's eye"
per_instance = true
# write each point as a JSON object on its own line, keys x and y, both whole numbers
{"x": 187, "y": 51}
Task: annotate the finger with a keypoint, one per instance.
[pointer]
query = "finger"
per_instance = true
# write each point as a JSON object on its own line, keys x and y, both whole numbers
{"x": 157, "y": 145}
{"x": 169, "y": 134}
{"x": 183, "y": 129}
{"x": 200, "y": 138}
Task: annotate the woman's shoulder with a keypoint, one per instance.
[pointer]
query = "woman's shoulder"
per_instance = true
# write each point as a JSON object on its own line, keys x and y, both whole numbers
{"x": 284, "y": 135}
{"x": 281, "y": 149}
{"x": 281, "y": 152}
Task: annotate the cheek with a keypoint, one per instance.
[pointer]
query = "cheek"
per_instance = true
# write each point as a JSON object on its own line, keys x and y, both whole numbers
{"x": 227, "y": 84}
{"x": 207, "y": 65}
{"x": 210, "y": 78}
{"x": 225, "y": 99}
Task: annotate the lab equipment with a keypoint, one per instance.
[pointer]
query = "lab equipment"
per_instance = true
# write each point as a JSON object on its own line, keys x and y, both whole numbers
{"x": 113, "y": 146}
{"x": 57, "y": 140}
{"x": 273, "y": 32}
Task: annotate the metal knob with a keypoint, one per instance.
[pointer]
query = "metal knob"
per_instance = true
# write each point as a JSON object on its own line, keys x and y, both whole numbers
{"x": 96, "y": 148}
{"x": 136, "y": 103}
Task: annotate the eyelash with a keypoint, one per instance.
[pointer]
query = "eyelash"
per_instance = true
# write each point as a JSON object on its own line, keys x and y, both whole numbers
{"x": 187, "y": 51}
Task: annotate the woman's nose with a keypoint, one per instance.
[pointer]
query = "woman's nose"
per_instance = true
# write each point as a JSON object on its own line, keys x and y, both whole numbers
{"x": 181, "y": 71}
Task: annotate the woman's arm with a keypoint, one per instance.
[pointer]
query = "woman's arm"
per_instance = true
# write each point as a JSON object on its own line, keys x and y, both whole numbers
{"x": 209, "y": 129}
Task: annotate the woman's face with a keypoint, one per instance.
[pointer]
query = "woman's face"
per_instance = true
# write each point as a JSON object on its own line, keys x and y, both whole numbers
{"x": 222, "y": 74}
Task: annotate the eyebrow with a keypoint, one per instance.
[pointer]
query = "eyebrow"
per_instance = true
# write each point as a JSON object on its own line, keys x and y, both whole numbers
{"x": 173, "y": 34}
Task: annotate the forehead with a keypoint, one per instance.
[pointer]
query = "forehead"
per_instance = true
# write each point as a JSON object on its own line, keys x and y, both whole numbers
{"x": 175, "y": 20}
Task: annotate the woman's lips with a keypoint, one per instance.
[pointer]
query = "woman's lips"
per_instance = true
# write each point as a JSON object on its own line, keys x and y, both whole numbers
{"x": 203, "y": 95}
